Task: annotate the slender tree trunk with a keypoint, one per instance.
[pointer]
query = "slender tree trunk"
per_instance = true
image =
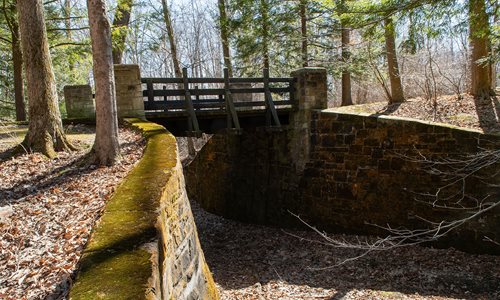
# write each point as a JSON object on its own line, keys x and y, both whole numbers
{"x": 106, "y": 147}
{"x": 397, "y": 94}
{"x": 120, "y": 28}
{"x": 171, "y": 39}
{"x": 346, "y": 75}
{"x": 45, "y": 132}
{"x": 17, "y": 60}
{"x": 303, "y": 31}
{"x": 479, "y": 44}
{"x": 264, "y": 11}
{"x": 67, "y": 21}
{"x": 224, "y": 36}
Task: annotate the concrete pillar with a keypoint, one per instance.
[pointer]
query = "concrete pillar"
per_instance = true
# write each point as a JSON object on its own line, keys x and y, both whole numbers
{"x": 129, "y": 100}
{"x": 311, "y": 93}
{"x": 79, "y": 102}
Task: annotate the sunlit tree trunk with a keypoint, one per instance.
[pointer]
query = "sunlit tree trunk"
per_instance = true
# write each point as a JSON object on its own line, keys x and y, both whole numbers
{"x": 264, "y": 12}
{"x": 397, "y": 94}
{"x": 346, "y": 75}
{"x": 17, "y": 62}
{"x": 45, "y": 132}
{"x": 303, "y": 31}
{"x": 479, "y": 44}
{"x": 224, "y": 36}
{"x": 106, "y": 147}
{"x": 120, "y": 28}
{"x": 171, "y": 38}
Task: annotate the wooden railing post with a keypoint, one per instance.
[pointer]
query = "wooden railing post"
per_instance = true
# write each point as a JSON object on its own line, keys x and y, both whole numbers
{"x": 192, "y": 120}
{"x": 230, "y": 109}
{"x": 270, "y": 108}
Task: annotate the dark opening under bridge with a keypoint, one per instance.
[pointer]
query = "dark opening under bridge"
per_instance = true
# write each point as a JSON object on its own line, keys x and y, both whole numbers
{"x": 191, "y": 105}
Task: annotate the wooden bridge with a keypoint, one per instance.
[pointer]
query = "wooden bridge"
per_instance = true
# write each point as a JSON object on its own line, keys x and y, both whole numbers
{"x": 191, "y": 105}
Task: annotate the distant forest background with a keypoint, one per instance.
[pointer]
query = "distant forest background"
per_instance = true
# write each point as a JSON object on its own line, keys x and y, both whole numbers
{"x": 430, "y": 42}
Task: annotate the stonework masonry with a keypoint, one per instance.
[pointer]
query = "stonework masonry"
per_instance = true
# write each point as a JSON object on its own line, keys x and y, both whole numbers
{"x": 145, "y": 245}
{"x": 79, "y": 102}
{"x": 359, "y": 172}
{"x": 129, "y": 99}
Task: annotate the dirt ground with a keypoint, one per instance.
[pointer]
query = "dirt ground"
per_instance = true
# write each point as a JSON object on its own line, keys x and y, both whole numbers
{"x": 258, "y": 262}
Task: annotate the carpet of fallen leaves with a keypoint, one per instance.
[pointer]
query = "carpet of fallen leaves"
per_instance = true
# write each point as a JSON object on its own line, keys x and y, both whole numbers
{"x": 258, "y": 262}
{"x": 466, "y": 112}
{"x": 47, "y": 210}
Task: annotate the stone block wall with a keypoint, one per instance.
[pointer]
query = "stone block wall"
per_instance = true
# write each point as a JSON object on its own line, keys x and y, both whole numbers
{"x": 79, "y": 102}
{"x": 359, "y": 173}
{"x": 145, "y": 245}
{"x": 129, "y": 100}
{"x": 366, "y": 170}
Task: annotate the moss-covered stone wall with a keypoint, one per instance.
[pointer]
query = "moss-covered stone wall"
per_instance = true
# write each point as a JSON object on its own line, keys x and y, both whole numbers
{"x": 145, "y": 245}
{"x": 360, "y": 172}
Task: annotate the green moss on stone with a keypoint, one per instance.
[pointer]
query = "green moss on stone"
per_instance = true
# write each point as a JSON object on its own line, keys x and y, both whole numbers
{"x": 113, "y": 275}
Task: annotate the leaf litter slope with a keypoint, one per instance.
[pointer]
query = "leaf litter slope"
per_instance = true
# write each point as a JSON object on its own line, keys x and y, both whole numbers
{"x": 47, "y": 210}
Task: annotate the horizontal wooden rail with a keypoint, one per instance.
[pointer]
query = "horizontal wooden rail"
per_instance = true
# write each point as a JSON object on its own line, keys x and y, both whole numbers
{"x": 210, "y": 103}
{"x": 210, "y": 92}
{"x": 216, "y": 80}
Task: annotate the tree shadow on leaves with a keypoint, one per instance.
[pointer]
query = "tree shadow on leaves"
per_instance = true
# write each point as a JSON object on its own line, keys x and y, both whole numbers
{"x": 488, "y": 112}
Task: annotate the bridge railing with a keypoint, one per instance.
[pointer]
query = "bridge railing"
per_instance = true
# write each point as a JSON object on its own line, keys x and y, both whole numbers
{"x": 193, "y": 96}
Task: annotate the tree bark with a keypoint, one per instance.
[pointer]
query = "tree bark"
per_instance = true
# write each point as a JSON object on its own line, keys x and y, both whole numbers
{"x": 45, "y": 131}
{"x": 120, "y": 26}
{"x": 17, "y": 62}
{"x": 346, "y": 75}
{"x": 171, "y": 39}
{"x": 397, "y": 94}
{"x": 303, "y": 31}
{"x": 224, "y": 36}
{"x": 264, "y": 12}
{"x": 479, "y": 44}
{"x": 106, "y": 147}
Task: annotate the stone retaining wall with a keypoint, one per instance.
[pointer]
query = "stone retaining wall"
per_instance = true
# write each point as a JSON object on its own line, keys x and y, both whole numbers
{"x": 145, "y": 245}
{"x": 359, "y": 173}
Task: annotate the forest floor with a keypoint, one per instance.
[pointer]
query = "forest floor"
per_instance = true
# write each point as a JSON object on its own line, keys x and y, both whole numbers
{"x": 257, "y": 262}
{"x": 467, "y": 112}
{"x": 47, "y": 210}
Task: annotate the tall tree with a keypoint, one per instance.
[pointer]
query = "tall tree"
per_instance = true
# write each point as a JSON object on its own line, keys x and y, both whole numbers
{"x": 224, "y": 36}
{"x": 264, "y": 27}
{"x": 171, "y": 38}
{"x": 397, "y": 94}
{"x": 45, "y": 132}
{"x": 9, "y": 9}
{"x": 120, "y": 28}
{"x": 106, "y": 147}
{"x": 479, "y": 29}
{"x": 345, "y": 41}
{"x": 303, "y": 31}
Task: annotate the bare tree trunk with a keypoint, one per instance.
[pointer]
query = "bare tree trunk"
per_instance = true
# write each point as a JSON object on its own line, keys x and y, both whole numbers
{"x": 45, "y": 132}
{"x": 303, "y": 25}
{"x": 171, "y": 39}
{"x": 67, "y": 20}
{"x": 120, "y": 27}
{"x": 397, "y": 94}
{"x": 346, "y": 75}
{"x": 106, "y": 147}
{"x": 264, "y": 11}
{"x": 224, "y": 36}
{"x": 479, "y": 44}
{"x": 17, "y": 61}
